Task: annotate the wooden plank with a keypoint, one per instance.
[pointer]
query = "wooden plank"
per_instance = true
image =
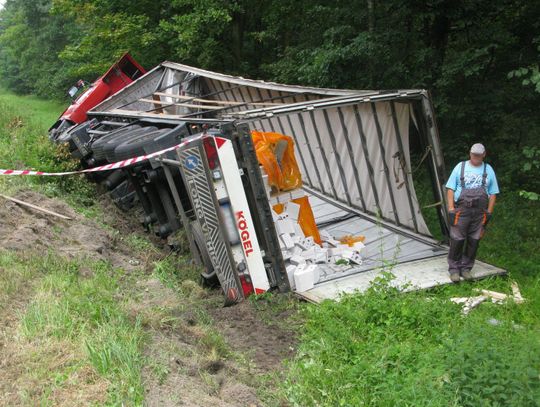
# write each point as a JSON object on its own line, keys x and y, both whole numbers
{"x": 204, "y": 107}
{"x": 217, "y": 102}
{"x": 35, "y": 207}
{"x": 181, "y": 97}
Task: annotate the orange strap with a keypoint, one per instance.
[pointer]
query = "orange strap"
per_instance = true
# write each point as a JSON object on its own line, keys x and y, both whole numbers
{"x": 458, "y": 213}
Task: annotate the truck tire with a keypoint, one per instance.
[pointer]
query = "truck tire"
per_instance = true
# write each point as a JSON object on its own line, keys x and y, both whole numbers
{"x": 134, "y": 146}
{"x": 145, "y": 145}
{"x": 114, "y": 137}
{"x": 208, "y": 276}
{"x": 114, "y": 179}
{"x": 112, "y": 144}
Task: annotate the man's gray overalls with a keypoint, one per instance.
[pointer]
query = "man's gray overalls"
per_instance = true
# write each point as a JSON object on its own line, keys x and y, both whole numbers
{"x": 470, "y": 217}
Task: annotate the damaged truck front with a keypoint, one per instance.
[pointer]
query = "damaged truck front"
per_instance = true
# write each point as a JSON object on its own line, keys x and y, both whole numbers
{"x": 353, "y": 153}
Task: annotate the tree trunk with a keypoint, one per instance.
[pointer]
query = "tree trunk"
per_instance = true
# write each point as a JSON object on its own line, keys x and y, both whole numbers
{"x": 371, "y": 15}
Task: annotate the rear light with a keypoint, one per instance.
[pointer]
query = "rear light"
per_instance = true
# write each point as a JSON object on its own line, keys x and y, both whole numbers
{"x": 247, "y": 287}
{"x": 211, "y": 153}
{"x": 232, "y": 294}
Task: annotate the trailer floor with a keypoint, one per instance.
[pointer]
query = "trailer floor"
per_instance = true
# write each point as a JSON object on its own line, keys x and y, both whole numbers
{"x": 415, "y": 262}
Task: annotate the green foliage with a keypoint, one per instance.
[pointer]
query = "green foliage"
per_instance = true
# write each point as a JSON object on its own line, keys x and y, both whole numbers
{"x": 386, "y": 348}
{"x": 30, "y": 41}
{"x": 24, "y": 121}
{"x": 529, "y": 173}
{"x": 531, "y": 196}
{"x": 529, "y": 76}
{"x": 513, "y": 236}
{"x": 488, "y": 368}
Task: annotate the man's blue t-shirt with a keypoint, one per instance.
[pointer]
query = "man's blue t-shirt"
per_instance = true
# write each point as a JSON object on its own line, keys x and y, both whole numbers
{"x": 473, "y": 179}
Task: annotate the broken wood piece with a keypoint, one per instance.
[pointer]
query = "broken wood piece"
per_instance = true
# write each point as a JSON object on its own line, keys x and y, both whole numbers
{"x": 498, "y": 297}
{"x": 473, "y": 302}
{"x": 459, "y": 300}
{"x": 35, "y": 207}
{"x": 495, "y": 295}
{"x": 469, "y": 302}
{"x": 518, "y": 299}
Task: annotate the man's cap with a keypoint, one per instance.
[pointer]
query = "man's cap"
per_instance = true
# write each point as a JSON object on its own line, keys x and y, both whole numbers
{"x": 478, "y": 149}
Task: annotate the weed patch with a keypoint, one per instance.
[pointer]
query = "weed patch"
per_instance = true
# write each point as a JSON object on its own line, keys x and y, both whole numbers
{"x": 386, "y": 348}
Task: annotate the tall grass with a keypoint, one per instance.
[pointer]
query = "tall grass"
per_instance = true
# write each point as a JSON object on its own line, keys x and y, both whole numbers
{"x": 23, "y": 133}
{"x": 84, "y": 312}
{"x": 24, "y": 144}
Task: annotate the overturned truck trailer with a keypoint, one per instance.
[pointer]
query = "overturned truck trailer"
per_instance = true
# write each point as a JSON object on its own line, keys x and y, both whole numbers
{"x": 354, "y": 152}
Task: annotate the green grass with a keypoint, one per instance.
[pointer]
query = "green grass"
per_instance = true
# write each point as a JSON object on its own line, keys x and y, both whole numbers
{"x": 24, "y": 144}
{"x": 387, "y": 348}
{"x": 39, "y": 110}
{"x": 83, "y": 313}
{"x": 24, "y": 121}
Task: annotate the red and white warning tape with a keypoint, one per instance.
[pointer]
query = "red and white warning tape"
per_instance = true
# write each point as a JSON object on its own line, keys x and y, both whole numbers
{"x": 107, "y": 167}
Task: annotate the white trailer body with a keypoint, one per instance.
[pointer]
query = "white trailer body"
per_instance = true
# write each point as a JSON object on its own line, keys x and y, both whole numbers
{"x": 353, "y": 149}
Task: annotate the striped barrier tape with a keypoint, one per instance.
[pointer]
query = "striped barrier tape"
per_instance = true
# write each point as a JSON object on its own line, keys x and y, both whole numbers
{"x": 107, "y": 167}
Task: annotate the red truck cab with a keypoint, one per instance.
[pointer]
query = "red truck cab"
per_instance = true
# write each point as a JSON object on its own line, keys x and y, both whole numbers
{"x": 119, "y": 75}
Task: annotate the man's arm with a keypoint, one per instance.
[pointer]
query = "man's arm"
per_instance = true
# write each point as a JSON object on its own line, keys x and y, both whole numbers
{"x": 450, "y": 199}
{"x": 491, "y": 203}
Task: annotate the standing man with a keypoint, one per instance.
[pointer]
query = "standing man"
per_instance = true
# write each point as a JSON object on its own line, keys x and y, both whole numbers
{"x": 472, "y": 190}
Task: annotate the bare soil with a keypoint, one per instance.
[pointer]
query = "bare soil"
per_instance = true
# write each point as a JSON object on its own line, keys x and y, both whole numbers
{"x": 265, "y": 342}
{"x": 183, "y": 372}
{"x": 23, "y": 229}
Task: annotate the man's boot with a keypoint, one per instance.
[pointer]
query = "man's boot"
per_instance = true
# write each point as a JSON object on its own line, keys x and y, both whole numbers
{"x": 454, "y": 259}
{"x": 469, "y": 256}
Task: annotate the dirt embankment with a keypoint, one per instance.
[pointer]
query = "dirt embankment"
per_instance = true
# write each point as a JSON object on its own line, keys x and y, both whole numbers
{"x": 185, "y": 364}
{"x": 23, "y": 229}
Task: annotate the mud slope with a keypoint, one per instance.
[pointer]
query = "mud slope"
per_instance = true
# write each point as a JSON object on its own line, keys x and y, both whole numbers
{"x": 25, "y": 229}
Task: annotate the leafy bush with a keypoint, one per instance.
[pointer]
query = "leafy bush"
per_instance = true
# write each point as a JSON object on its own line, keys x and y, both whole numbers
{"x": 494, "y": 365}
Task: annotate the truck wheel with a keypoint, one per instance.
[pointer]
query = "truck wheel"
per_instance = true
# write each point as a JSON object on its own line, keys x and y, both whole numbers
{"x": 209, "y": 276}
{"x": 111, "y": 145}
{"x": 134, "y": 146}
{"x": 114, "y": 137}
